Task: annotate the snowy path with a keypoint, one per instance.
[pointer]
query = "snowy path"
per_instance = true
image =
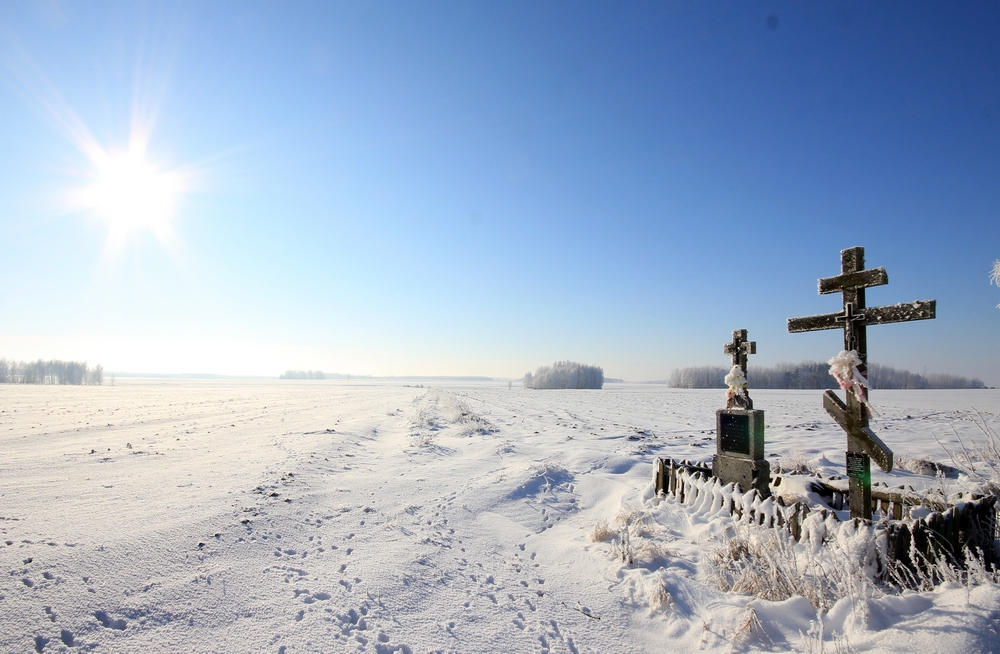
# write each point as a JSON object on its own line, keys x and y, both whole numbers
{"x": 323, "y": 517}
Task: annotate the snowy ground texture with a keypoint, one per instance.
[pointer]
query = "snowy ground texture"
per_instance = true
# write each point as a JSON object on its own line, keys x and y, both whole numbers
{"x": 318, "y": 516}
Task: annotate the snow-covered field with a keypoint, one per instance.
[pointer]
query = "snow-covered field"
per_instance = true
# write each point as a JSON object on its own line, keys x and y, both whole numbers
{"x": 312, "y": 516}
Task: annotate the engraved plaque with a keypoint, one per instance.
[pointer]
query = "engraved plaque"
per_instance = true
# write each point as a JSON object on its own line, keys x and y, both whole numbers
{"x": 734, "y": 433}
{"x": 858, "y": 466}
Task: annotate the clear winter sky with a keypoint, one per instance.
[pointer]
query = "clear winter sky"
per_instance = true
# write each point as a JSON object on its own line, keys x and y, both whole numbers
{"x": 470, "y": 188}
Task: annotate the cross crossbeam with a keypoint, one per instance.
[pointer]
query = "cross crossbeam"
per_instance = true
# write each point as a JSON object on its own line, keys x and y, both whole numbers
{"x": 919, "y": 310}
{"x": 858, "y": 279}
{"x": 865, "y": 440}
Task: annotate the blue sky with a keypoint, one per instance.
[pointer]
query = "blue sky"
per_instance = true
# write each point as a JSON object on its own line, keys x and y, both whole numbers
{"x": 473, "y": 188}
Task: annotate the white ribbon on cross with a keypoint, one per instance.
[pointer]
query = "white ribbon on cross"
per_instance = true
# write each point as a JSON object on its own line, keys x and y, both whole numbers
{"x": 844, "y": 368}
{"x": 736, "y": 382}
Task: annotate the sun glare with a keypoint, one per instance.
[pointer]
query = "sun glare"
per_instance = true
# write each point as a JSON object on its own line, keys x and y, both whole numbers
{"x": 130, "y": 194}
{"x": 126, "y": 191}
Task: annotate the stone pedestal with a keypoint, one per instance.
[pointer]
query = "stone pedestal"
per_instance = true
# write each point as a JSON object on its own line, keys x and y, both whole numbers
{"x": 739, "y": 454}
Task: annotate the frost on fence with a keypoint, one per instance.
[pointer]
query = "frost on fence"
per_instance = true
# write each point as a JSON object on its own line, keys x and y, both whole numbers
{"x": 565, "y": 374}
{"x": 957, "y": 544}
{"x": 708, "y": 496}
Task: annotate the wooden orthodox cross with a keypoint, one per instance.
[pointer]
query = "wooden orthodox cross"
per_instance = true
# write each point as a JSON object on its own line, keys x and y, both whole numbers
{"x": 740, "y": 349}
{"x": 862, "y": 443}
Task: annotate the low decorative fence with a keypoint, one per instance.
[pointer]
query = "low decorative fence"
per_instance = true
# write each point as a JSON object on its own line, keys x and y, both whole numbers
{"x": 947, "y": 532}
{"x": 894, "y": 503}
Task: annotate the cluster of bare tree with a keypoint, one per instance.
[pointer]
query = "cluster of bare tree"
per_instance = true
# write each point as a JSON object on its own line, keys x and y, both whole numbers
{"x": 889, "y": 377}
{"x": 699, "y": 377}
{"x": 49, "y": 372}
{"x": 813, "y": 374}
{"x": 303, "y": 374}
{"x": 565, "y": 374}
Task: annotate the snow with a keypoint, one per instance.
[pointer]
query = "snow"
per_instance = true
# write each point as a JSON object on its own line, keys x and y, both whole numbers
{"x": 327, "y": 516}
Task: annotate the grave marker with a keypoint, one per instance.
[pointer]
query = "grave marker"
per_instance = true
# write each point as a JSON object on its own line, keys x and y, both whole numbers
{"x": 740, "y": 349}
{"x": 862, "y": 443}
{"x": 739, "y": 433}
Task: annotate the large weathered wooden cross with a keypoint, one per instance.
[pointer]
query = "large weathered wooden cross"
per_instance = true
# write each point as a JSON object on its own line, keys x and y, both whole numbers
{"x": 740, "y": 349}
{"x": 862, "y": 442}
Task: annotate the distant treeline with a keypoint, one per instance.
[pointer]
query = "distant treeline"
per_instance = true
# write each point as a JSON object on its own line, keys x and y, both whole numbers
{"x": 810, "y": 374}
{"x": 49, "y": 372}
{"x": 318, "y": 374}
{"x": 303, "y": 374}
{"x": 565, "y": 374}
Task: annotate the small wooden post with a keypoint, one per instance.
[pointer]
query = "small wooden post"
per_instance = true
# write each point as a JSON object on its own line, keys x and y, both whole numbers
{"x": 793, "y": 522}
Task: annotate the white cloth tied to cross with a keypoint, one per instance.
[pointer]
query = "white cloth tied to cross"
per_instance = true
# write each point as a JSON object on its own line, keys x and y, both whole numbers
{"x": 736, "y": 382}
{"x": 844, "y": 368}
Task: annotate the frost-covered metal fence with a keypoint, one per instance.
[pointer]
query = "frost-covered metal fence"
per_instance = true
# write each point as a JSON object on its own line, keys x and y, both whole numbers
{"x": 693, "y": 484}
{"x": 911, "y": 546}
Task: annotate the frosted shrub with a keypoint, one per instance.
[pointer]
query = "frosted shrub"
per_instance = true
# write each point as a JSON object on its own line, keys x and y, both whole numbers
{"x": 839, "y": 560}
{"x": 621, "y": 548}
{"x": 995, "y": 275}
{"x": 980, "y": 460}
{"x": 601, "y": 532}
{"x": 639, "y": 522}
{"x": 629, "y": 533}
{"x": 459, "y": 413}
{"x": 795, "y": 461}
{"x": 930, "y": 573}
{"x": 750, "y": 628}
{"x": 768, "y": 564}
{"x": 421, "y": 440}
{"x": 658, "y": 597}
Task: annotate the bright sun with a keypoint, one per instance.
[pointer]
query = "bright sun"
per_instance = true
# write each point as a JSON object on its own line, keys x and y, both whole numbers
{"x": 131, "y": 194}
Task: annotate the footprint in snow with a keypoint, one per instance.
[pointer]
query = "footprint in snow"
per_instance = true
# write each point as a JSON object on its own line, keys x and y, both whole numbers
{"x": 110, "y": 623}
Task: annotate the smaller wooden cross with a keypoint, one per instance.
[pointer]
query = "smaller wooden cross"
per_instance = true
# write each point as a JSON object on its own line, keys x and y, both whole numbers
{"x": 740, "y": 349}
